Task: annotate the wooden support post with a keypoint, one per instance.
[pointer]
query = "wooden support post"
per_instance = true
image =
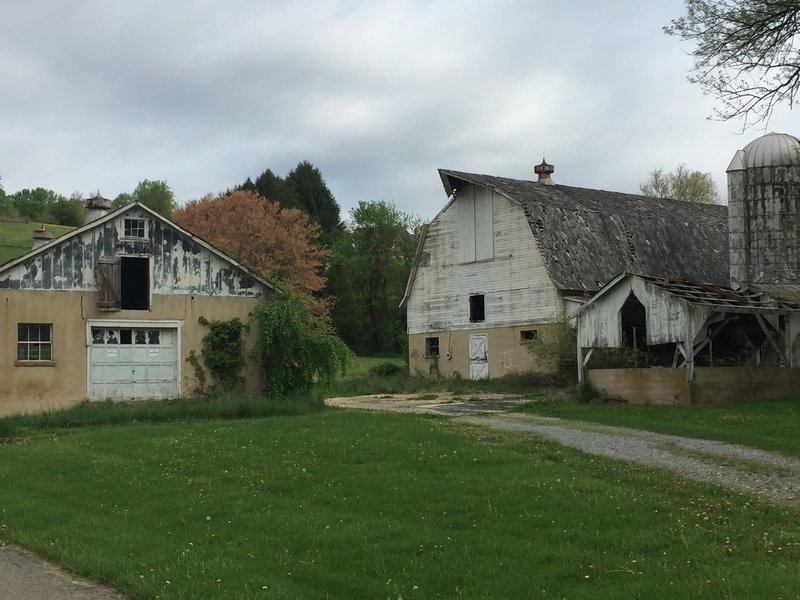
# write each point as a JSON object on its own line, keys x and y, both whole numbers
{"x": 771, "y": 340}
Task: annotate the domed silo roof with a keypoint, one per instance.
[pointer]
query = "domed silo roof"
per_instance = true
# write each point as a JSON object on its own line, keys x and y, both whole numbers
{"x": 772, "y": 149}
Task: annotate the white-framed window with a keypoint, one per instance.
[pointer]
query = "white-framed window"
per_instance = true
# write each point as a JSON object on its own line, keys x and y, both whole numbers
{"x": 35, "y": 342}
{"x": 134, "y": 228}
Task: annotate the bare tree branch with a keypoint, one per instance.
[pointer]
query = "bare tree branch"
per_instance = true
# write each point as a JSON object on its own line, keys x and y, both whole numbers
{"x": 747, "y": 54}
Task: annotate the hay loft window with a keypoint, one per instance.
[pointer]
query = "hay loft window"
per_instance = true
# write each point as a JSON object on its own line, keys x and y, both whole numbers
{"x": 35, "y": 342}
{"x": 123, "y": 283}
{"x": 135, "y": 228}
{"x": 476, "y": 309}
{"x": 432, "y": 347}
{"x": 528, "y": 335}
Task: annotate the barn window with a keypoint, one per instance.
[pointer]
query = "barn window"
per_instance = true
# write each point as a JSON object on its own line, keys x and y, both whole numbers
{"x": 135, "y": 228}
{"x": 123, "y": 283}
{"x": 432, "y": 347}
{"x": 476, "y": 308}
{"x": 528, "y": 335}
{"x": 35, "y": 342}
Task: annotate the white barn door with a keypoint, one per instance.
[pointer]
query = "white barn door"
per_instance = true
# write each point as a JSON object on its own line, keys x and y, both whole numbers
{"x": 127, "y": 363}
{"x": 478, "y": 356}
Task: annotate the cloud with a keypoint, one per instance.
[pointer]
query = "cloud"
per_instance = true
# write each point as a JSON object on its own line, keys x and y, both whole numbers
{"x": 377, "y": 95}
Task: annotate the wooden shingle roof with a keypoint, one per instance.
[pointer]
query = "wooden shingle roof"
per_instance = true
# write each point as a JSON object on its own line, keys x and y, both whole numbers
{"x": 587, "y": 237}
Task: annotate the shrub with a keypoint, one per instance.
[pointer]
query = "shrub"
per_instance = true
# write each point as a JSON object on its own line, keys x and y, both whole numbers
{"x": 386, "y": 369}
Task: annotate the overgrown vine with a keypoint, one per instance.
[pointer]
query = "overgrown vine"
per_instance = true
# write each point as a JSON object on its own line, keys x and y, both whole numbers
{"x": 222, "y": 352}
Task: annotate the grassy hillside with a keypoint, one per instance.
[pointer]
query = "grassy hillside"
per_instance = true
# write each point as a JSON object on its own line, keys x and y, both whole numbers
{"x": 16, "y": 238}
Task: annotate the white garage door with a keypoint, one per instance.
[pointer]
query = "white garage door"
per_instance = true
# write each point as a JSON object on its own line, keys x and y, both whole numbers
{"x": 133, "y": 363}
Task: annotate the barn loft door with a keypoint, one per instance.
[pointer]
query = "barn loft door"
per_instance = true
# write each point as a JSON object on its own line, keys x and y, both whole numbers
{"x": 109, "y": 293}
{"x": 478, "y": 356}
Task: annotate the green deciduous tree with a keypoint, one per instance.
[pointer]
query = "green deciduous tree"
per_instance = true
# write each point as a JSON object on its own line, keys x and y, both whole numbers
{"x": 156, "y": 195}
{"x": 681, "y": 184}
{"x": 34, "y": 204}
{"x": 68, "y": 211}
{"x": 746, "y": 53}
{"x": 367, "y": 276}
{"x": 295, "y": 347}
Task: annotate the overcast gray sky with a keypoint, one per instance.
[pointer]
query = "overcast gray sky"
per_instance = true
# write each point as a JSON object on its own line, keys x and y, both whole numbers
{"x": 377, "y": 94}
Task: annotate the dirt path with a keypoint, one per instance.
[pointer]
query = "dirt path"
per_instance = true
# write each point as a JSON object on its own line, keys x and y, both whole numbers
{"x": 769, "y": 476}
{"x": 24, "y": 575}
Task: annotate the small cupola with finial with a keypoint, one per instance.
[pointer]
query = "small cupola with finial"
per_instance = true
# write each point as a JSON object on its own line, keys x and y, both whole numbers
{"x": 97, "y": 207}
{"x": 41, "y": 237}
{"x": 544, "y": 170}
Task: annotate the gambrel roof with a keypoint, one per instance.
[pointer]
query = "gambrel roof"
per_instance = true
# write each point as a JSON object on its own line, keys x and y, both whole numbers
{"x": 587, "y": 237}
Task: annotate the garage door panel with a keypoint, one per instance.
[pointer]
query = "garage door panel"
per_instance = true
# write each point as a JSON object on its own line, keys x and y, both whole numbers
{"x": 133, "y": 363}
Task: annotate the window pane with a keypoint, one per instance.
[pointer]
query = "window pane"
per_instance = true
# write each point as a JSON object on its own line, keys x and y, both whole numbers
{"x": 98, "y": 335}
{"x": 125, "y": 336}
{"x": 22, "y": 332}
{"x": 44, "y": 333}
{"x": 153, "y": 336}
{"x": 22, "y": 352}
{"x": 46, "y": 352}
{"x": 140, "y": 336}
{"x": 33, "y": 352}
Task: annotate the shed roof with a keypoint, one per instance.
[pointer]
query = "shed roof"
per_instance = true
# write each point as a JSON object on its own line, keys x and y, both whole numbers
{"x": 725, "y": 299}
{"x": 587, "y": 237}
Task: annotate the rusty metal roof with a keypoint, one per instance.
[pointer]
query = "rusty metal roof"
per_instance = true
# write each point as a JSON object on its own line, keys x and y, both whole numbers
{"x": 587, "y": 237}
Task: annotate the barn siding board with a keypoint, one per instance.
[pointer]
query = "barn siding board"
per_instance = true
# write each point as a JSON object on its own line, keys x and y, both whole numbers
{"x": 179, "y": 264}
{"x": 515, "y": 281}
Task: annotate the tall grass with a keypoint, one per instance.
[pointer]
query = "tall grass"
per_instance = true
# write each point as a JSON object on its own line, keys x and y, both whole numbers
{"x": 223, "y": 406}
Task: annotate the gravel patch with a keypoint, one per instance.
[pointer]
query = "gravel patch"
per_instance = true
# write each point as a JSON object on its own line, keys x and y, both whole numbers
{"x": 769, "y": 476}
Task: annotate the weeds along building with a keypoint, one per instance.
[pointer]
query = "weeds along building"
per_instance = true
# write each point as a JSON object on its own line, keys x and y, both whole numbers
{"x": 111, "y": 310}
{"x": 505, "y": 259}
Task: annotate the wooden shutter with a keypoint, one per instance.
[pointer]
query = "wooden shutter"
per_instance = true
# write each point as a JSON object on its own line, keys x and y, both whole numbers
{"x": 108, "y": 283}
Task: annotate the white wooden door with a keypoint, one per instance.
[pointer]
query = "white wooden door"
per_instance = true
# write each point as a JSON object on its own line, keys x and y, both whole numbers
{"x": 133, "y": 363}
{"x": 478, "y": 356}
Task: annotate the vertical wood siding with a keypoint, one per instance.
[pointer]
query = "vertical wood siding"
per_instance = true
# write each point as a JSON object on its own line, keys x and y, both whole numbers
{"x": 179, "y": 264}
{"x": 515, "y": 283}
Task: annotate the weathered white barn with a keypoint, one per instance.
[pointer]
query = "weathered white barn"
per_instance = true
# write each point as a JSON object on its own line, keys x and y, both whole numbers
{"x": 111, "y": 310}
{"x": 727, "y": 342}
{"x": 505, "y": 259}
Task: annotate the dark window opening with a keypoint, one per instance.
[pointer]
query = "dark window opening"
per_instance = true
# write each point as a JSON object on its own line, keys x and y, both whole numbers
{"x": 528, "y": 335}
{"x": 432, "y": 347}
{"x": 476, "y": 308}
{"x": 135, "y": 228}
{"x": 634, "y": 320}
{"x": 34, "y": 341}
{"x": 125, "y": 336}
{"x": 135, "y": 283}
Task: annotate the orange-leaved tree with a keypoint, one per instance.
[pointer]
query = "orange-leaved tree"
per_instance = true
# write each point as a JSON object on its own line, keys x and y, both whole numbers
{"x": 273, "y": 241}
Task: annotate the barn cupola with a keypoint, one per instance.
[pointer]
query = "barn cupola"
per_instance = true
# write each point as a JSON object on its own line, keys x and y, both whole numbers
{"x": 764, "y": 211}
{"x": 41, "y": 237}
{"x": 97, "y": 207}
{"x": 544, "y": 171}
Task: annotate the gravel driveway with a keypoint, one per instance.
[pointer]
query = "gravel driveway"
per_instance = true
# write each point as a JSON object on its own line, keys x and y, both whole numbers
{"x": 769, "y": 476}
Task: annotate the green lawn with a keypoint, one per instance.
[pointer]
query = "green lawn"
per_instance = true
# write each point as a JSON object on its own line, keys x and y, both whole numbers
{"x": 770, "y": 425}
{"x": 349, "y": 504}
{"x": 16, "y": 238}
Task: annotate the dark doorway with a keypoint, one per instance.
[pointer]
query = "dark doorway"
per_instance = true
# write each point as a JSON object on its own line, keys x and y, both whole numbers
{"x": 634, "y": 327}
{"x": 135, "y": 284}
